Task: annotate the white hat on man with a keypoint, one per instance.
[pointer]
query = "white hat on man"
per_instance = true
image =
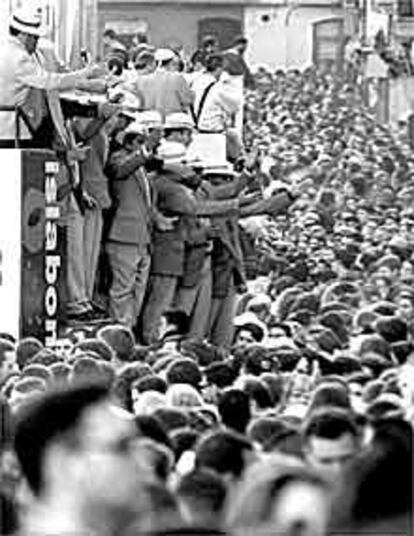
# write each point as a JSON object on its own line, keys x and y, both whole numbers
{"x": 164, "y": 54}
{"x": 150, "y": 118}
{"x": 27, "y": 21}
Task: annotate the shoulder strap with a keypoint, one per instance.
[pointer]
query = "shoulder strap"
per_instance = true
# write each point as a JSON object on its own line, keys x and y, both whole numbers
{"x": 196, "y": 116}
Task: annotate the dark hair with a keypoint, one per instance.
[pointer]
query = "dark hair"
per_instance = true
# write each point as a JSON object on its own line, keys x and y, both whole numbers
{"x": 171, "y": 418}
{"x": 392, "y": 329}
{"x": 151, "y": 427}
{"x": 377, "y": 484}
{"x": 8, "y": 515}
{"x": 98, "y": 346}
{"x": 37, "y": 371}
{"x": 61, "y": 373}
{"x": 179, "y": 319}
{"x": 45, "y": 357}
{"x": 260, "y": 430}
{"x": 46, "y": 420}
{"x": 150, "y": 383}
{"x": 110, "y": 33}
{"x": 183, "y": 439}
{"x": 204, "y": 489}
{"x": 184, "y": 371}
{"x": 234, "y": 409}
{"x": 5, "y": 346}
{"x": 120, "y": 339}
{"x": 240, "y": 40}
{"x": 126, "y": 377}
{"x": 6, "y": 424}
{"x": 333, "y": 395}
{"x": 223, "y": 451}
{"x": 26, "y": 349}
{"x": 214, "y": 62}
{"x": 329, "y": 423}
{"x": 13, "y": 32}
{"x": 258, "y": 392}
{"x": 85, "y": 368}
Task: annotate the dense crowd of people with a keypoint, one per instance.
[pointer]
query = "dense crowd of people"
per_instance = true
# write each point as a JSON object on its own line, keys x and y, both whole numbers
{"x": 256, "y": 373}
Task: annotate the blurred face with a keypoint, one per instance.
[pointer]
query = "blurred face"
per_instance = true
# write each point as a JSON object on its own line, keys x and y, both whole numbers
{"x": 8, "y": 364}
{"x": 405, "y": 309}
{"x": 109, "y": 477}
{"x": 154, "y": 138}
{"x": 330, "y": 455}
{"x": 407, "y": 269}
{"x": 244, "y": 339}
{"x": 301, "y": 509}
{"x": 30, "y": 42}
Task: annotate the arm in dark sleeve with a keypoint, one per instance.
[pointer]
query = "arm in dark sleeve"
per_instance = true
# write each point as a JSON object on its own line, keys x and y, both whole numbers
{"x": 273, "y": 205}
{"x": 225, "y": 191}
{"x": 177, "y": 199}
{"x": 120, "y": 166}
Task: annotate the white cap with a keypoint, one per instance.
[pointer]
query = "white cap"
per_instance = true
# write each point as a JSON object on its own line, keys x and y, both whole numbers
{"x": 178, "y": 120}
{"x": 164, "y": 54}
{"x": 150, "y": 118}
{"x": 27, "y": 21}
{"x": 136, "y": 128}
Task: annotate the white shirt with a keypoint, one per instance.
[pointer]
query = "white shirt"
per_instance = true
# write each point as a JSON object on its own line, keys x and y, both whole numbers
{"x": 223, "y": 101}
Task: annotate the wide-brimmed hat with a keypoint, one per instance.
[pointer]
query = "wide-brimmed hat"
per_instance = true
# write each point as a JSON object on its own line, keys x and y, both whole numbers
{"x": 27, "y": 21}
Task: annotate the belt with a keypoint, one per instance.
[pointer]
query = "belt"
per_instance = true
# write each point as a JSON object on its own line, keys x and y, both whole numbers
{"x": 202, "y": 131}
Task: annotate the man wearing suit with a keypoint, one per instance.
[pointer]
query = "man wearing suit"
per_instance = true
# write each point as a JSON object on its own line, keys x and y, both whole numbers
{"x": 21, "y": 69}
{"x": 129, "y": 237}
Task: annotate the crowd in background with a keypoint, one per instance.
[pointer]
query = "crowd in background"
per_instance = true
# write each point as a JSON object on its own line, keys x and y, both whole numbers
{"x": 294, "y": 414}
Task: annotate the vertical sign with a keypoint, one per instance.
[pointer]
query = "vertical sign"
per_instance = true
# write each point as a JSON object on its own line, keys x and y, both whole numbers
{"x": 10, "y": 229}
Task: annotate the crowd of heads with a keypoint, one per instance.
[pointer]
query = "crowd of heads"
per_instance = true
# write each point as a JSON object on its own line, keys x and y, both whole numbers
{"x": 305, "y": 425}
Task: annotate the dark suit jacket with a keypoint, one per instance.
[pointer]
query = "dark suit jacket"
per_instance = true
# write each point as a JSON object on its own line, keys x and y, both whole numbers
{"x": 132, "y": 213}
{"x": 181, "y": 252}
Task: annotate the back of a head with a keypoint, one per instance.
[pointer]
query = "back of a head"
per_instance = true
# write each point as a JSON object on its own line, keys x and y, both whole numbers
{"x": 223, "y": 451}
{"x": 203, "y": 489}
{"x": 37, "y": 371}
{"x": 61, "y": 373}
{"x": 213, "y": 62}
{"x": 120, "y": 339}
{"x": 26, "y": 349}
{"x": 171, "y": 418}
{"x": 258, "y": 392}
{"x": 234, "y": 409}
{"x": 45, "y": 357}
{"x": 330, "y": 396}
{"x": 392, "y": 329}
{"x": 99, "y": 347}
{"x": 85, "y": 369}
{"x": 150, "y": 383}
{"x": 260, "y": 430}
{"x": 46, "y": 420}
{"x": 329, "y": 423}
{"x": 149, "y": 426}
{"x": 184, "y": 371}
{"x": 377, "y": 491}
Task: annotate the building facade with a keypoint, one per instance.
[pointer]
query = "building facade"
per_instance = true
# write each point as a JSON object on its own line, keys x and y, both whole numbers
{"x": 281, "y": 33}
